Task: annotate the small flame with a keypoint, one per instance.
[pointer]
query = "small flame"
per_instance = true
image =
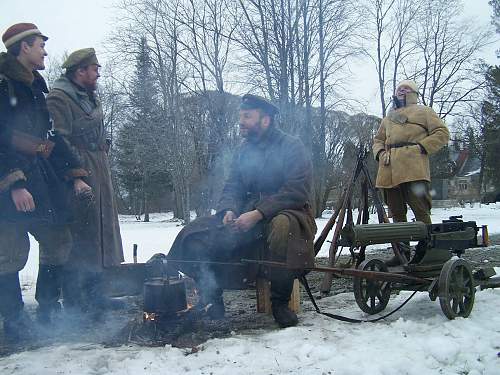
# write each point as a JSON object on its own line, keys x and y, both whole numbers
{"x": 150, "y": 317}
{"x": 189, "y": 307}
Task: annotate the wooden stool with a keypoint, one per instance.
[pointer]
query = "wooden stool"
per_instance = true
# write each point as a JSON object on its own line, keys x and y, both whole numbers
{"x": 263, "y": 290}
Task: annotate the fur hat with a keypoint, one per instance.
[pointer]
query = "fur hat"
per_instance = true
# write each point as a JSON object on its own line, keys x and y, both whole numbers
{"x": 18, "y": 32}
{"x": 408, "y": 83}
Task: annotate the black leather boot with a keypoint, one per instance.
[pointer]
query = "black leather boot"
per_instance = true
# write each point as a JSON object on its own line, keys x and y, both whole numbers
{"x": 210, "y": 293}
{"x": 213, "y": 303}
{"x": 48, "y": 292}
{"x": 71, "y": 290}
{"x": 17, "y": 326}
{"x": 281, "y": 289}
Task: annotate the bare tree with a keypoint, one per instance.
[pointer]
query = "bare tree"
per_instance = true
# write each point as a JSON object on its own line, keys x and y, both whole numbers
{"x": 158, "y": 22}
{"x": 336, "y": 43}
{"x": 391, "y": 27}
{"x": 53, "y": 68}
{"x": 446, "y": 64}
{"x": 430, "y": 43}
{"x": 207, "y": 44}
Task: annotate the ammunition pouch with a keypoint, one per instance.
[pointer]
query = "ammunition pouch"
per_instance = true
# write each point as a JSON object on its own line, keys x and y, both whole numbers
{"x": 32, "y": 146}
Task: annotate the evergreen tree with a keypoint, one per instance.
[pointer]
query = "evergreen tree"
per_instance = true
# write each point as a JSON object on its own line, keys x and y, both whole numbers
{"x": 141, "y": 172}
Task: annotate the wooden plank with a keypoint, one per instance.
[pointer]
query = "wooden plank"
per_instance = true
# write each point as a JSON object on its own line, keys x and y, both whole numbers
{"x": 294, "y": 303}
{"x": 263, "y": 291}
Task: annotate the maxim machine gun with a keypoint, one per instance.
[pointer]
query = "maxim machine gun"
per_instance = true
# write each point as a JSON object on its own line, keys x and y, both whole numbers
{"x": 440, "y": 241}
{"x": 440, "y": 271}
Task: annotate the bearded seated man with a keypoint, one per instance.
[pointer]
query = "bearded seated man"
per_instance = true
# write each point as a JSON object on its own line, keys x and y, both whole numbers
{"x": 263, "y": 213}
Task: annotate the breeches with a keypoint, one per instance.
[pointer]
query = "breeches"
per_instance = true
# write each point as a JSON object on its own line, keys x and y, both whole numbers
{"x": 415, "y": 194}
{"x": 54, "y": 244}
{"x": 277, "y": 236}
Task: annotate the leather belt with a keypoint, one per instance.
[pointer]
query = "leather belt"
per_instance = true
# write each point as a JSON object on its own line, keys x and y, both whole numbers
{"x": 402, "y": 144}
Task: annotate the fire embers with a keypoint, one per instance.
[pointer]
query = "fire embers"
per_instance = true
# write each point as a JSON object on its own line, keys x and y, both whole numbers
{"x": 148, "y": 317}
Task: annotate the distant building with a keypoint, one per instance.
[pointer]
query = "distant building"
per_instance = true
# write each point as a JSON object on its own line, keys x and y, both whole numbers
{"x": 464, "y": 184}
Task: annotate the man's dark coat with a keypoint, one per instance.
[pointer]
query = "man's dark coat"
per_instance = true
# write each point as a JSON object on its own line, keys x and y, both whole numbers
{"x": 24, "y": 114}
{"x": 273, "y": 175}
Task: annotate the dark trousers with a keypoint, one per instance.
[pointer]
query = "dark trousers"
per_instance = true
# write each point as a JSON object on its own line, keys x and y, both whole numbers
{"x": 415, "y": 194}
{"x": 54, "y": 240}
{"x": 270, "y": 239}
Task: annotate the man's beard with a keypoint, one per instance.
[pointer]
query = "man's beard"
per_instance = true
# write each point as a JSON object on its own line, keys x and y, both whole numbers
{"x": 252, "y": 135}
{"x": 91, "y": 87}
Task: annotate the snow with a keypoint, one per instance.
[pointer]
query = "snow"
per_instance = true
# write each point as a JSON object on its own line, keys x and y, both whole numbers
{"x": 418, "y": 339}
{"x": 472, "y": 173}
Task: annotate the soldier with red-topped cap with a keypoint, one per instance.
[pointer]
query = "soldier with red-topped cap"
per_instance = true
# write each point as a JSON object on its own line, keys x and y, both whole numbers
{"x": 37, "y": 174}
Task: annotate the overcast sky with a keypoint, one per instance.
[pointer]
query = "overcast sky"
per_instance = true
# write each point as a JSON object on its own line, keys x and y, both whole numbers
{"x": 75, "y": 24}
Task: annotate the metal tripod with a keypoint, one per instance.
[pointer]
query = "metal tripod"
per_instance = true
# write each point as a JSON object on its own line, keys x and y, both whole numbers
{"x": 343, "y": 215}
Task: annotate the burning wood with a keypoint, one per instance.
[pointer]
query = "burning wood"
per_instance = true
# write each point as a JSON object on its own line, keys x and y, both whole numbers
{"x": 149, "y": 317}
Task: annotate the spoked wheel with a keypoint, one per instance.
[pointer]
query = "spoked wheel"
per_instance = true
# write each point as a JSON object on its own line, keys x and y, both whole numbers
{"x": 456, "y": 289}
{"x": 372, "y": 296}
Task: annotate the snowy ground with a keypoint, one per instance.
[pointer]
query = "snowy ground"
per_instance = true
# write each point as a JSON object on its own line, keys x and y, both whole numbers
{"x": 416, "y": 340}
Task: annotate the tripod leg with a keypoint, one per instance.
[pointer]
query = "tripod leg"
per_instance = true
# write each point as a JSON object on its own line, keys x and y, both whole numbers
{"x": 326, "y": 284}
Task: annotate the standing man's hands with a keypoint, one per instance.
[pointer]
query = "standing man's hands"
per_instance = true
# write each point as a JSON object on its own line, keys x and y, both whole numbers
{"x": 80, "y": 187}
{"x": 228, "y": 218}
{"x": 248, "y": 220}
{"x": 23, "y": 200}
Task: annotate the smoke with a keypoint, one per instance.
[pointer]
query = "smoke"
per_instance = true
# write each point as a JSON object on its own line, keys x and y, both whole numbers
{"x": 419, "y": 189}
{"x": 207, "y": 284}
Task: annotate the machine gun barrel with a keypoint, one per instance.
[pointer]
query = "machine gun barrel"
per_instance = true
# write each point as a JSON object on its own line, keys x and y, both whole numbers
{"x": 452, "y": 234}
{"x": 370, "y": 234}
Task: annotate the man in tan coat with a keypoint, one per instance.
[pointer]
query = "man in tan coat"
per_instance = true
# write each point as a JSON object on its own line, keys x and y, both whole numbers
{"x": 78, "y": 118}
{"x": 406, "y": 137}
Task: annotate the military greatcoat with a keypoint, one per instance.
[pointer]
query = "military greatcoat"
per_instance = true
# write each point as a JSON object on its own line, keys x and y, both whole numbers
{"x": 78, "y": 117}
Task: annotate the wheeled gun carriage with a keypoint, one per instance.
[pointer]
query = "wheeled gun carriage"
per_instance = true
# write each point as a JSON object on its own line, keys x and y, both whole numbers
{"x": 441, "y": 272}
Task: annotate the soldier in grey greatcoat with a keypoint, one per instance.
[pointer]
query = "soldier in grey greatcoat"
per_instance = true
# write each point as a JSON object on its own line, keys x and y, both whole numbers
{"x": 78, "y": 117}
